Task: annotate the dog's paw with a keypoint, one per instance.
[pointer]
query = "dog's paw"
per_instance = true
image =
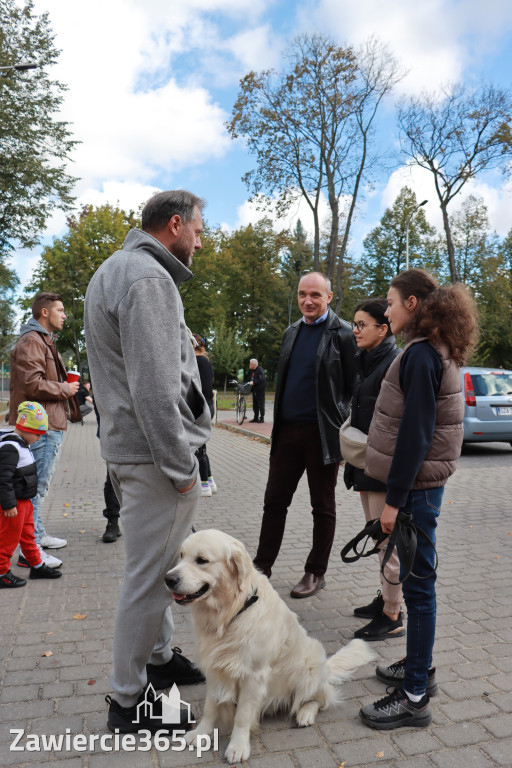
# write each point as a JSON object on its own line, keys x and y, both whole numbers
{"x": 190, "y": 737}
{"x": 236, "y": 752}
{"x": 307, "y": 714}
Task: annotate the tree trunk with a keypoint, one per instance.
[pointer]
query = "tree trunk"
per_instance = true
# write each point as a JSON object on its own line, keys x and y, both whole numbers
{"x": 316, "y": 246}
{"x": 333, "y": 239}
{"x": 449, "y": 243}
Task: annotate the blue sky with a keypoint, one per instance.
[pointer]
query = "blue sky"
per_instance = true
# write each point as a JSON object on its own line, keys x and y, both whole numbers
{"x": 152, "y": 83}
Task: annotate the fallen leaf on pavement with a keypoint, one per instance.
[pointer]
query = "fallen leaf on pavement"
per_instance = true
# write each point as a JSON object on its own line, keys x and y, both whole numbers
{"x": 80, "y": 616}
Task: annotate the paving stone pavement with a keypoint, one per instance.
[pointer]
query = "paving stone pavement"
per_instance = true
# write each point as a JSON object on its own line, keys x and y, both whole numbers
{"x": 56, "y": 638}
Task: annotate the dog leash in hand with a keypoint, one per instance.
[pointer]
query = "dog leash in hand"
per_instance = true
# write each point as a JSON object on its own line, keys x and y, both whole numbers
{"x": 404, "y": 536}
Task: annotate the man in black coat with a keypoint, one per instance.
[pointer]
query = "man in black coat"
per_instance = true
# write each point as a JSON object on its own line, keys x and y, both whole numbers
{"x": 314, "y": 385}
{"x": 258, "y": 391}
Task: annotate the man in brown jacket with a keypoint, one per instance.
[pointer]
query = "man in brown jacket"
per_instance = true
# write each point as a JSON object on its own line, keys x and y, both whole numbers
{"x": 38, "y": 374}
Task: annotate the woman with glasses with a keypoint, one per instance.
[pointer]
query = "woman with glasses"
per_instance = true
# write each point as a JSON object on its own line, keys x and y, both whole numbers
{"x": 376, "y": 351}
{"x": 414, "y": 441}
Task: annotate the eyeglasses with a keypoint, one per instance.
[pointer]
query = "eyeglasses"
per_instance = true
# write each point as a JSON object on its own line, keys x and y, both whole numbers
{"x": 361, "y": 326}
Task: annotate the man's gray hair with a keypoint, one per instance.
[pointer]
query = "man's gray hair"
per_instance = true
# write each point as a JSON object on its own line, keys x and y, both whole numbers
{"x": 326, "y": 279}
{"x": 253, "y": 360}
{"x": 160, "y": 208}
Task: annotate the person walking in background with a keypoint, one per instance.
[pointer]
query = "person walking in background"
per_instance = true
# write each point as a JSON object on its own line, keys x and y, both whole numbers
{"x": 208, "y": 484}
{"x": 414, "y": 442}
{"x": 376, "y": 351}
{"x": 258, "y": 383}
{"x": 315, "y": 377}
{"x": 18, "y": 483}
{"x": 38, "y": 373}
{"x": 153, "y": 419}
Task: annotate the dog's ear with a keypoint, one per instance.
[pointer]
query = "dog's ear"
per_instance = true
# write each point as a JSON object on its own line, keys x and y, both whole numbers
{"x": 241, "y": 564}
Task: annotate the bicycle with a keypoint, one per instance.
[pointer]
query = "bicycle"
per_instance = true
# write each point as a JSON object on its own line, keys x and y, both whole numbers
{"x": 240, "y": 405}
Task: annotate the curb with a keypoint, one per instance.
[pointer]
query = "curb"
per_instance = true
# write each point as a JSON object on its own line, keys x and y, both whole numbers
{"x": 242, "y": 431}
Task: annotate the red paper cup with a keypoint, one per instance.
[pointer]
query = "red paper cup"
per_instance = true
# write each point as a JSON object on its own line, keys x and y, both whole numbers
{"x": 72, "y": 376}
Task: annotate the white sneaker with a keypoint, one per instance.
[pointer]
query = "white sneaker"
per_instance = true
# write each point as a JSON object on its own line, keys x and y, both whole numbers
{"x": 212, "y": 484}
{"x": 52, "y": 542}
{"x": 206, "y": 490}
{"x": 50, "y": 560}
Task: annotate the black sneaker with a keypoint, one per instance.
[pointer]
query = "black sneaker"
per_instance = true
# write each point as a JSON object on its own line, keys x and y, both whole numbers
{"x": 397, "y": 711}
{"x": 112, "y": 532}
{"x": 375, "y": 608}
{"x": 179, "y": 670}
{"x": 23, "y": 562}
{"x": 146, "y": 715}
{"x": 382, "y": 627}
{"x": 394, "y": 675}
{"x": 9, "y": 581}
{"x": 43, "y": 572}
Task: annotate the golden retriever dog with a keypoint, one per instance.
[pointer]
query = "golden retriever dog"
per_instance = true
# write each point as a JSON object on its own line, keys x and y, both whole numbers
{"x": 254, "y": 653}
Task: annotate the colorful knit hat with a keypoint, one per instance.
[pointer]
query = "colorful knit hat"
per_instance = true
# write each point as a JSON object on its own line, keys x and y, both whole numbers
{"x": 32, "y": 417}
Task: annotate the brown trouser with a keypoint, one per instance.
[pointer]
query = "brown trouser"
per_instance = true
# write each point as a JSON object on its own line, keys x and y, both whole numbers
{"x": 298, "y": 448}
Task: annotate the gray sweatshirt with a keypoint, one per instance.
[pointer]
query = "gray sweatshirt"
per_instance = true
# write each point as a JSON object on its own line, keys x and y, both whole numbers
{"x": 142, "y": 363}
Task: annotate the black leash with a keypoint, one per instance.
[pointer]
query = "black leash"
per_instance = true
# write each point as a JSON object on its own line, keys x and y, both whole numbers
{"x": 404, "y": 537}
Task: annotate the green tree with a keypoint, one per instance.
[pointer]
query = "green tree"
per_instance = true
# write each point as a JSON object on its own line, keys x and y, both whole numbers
{"x": 228, "y": 351}
{"x": 310, "y": 128}
{"x": 296, "y": 259}
{"x": 35, "y": 145}
{"x": 470, "y": 230}
{"x": 67, "y": 265}
{"x": 384, "y": 253}
{"x": 255, "y": 297}
{"x": 457, "y": 137}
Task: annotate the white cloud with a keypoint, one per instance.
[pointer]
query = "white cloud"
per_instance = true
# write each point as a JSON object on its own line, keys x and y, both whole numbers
{"x": 248, "y": 213}
{"x": 435, "y": 41}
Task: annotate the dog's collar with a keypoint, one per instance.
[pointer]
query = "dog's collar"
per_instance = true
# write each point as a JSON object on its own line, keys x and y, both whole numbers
{"x": 250, "y": 601}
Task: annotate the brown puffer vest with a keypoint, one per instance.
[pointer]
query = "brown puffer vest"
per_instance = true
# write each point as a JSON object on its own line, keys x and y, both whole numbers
{"x": 441, "y": 459}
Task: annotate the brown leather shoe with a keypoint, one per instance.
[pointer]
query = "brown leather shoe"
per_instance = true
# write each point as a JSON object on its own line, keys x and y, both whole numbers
{"x": 308, "y": 586}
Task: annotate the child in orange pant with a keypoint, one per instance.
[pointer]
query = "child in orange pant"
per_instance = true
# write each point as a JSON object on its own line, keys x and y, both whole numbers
{"x": 18, "y": 484}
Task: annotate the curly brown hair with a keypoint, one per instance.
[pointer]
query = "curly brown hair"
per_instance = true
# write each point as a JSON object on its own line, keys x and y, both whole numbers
{"x": 447, "y": 314}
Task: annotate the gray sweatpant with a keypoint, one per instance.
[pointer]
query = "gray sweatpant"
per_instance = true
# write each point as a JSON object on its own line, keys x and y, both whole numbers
{"x": 155, "y": 519}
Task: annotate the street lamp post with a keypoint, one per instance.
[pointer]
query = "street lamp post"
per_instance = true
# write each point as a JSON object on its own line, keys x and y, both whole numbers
{"x": 407, "y": 232}
{"x": 22, "y": 66}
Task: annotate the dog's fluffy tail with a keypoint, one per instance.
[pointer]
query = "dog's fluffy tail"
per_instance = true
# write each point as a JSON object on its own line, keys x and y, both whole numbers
{"x": 349, "y": 658}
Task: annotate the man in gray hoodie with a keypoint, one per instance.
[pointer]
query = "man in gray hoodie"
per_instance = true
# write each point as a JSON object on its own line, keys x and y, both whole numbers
{"x": 153, "y": 419}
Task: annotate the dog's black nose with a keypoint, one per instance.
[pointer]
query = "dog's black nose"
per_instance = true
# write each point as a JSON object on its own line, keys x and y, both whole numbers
{"x": 171, "y": 580}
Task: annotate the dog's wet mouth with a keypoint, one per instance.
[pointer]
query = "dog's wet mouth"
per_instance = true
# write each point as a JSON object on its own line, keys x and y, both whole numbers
{"x": 183, "y": 599}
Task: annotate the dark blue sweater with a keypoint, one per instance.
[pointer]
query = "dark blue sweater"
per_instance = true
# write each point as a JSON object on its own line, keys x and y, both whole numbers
{"x": 299, "y": 395}
{"x": 421, "y": 370}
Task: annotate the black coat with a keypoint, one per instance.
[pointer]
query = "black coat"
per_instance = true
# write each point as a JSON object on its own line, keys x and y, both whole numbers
{"x": 258, "y": 377}
{"x": 15, "y": 483}
{"x": 335, "y": 372}
{"x": 371, "y": 369}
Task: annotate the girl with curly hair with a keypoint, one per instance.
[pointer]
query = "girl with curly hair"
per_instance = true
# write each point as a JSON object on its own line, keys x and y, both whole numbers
{"x": 414, "y": 441}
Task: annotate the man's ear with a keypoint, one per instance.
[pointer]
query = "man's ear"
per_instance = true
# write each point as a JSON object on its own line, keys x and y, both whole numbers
{"x": 174, "y": 224}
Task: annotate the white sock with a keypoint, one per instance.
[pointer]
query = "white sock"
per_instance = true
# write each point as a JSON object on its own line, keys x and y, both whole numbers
{"x": 413, "y": 696}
